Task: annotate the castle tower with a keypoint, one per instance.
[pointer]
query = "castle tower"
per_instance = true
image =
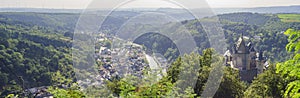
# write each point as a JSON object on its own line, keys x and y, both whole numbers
{"x": 252, "y": 56}
{"x": 244, "y": 58}
{"x": 240, "y": 57}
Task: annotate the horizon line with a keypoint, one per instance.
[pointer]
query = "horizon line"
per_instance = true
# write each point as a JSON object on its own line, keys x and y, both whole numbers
{"x": 141, "y": 8}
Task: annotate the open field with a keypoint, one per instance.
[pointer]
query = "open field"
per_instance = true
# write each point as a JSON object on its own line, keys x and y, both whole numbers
{"x": 289, "y": 17}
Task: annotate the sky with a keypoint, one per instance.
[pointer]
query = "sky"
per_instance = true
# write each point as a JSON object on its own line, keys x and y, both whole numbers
{"x": 81, "y": 4}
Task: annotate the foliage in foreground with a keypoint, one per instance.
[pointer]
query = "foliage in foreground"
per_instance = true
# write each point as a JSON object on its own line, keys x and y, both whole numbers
{"x": 282, "y": 80}
{"x": 290, "y": 69}
{"x": 176, "y": 84}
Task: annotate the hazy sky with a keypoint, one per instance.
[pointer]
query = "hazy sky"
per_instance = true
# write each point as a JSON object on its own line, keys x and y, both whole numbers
{"x": 79, "y": 4}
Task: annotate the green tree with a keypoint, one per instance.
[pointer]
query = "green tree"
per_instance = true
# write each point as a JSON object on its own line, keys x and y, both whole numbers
{"x": 231, "y": 86}
{"x": 267, "y": 84}
{"x": 72, "y": 90}
{"x": 108, "y": 44}
{"x": 201, "y": 66}
{"x": 282, "y": 80}
{"x": 290, "y": 69}
{"x": 65, "y": 93}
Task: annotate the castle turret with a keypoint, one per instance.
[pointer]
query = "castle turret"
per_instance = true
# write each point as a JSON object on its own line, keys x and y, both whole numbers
{"x": 260, "y": 61}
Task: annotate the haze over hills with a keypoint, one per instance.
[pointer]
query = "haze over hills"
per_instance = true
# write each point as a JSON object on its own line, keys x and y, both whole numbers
{"x": 272, "y": 9}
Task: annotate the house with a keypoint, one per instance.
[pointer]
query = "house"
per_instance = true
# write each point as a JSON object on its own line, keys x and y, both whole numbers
{"x": 38, "y": 92}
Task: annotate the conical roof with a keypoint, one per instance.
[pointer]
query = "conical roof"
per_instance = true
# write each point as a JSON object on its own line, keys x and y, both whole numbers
{"x": 240, "y": 42}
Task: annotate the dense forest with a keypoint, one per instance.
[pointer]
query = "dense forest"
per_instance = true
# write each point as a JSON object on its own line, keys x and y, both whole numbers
{"x": 30, "y": 57}
{"x": 265, "y": 31}
{"x": 36, "y": 51}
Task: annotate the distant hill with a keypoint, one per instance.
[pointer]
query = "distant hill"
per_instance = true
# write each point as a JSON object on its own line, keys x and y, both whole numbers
{"x": 274, "y": 9}
{"x": 270, "y": 10}
{"x": 63, "y": 21}
{"x": 41, "y": 10}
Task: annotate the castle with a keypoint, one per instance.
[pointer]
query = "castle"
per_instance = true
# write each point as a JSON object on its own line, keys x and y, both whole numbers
{"x": 246, "y": 59}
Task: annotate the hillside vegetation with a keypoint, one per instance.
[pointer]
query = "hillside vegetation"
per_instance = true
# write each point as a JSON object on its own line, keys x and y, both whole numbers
{"x": 35, "y": 51}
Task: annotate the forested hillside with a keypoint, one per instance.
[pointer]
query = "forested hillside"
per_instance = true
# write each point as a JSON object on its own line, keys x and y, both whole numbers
{"x": 265, "y": 31}
{"x": 35, "y": 51}
{"x": 30, "y": 57}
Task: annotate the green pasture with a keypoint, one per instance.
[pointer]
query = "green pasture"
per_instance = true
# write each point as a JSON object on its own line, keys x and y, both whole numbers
{"x": 289, "y": 17}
